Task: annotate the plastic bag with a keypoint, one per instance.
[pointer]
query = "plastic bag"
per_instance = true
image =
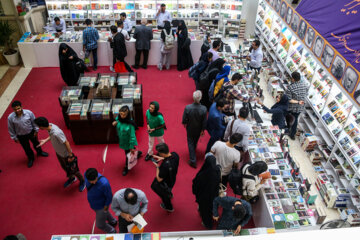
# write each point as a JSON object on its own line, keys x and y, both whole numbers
{"x": 119, "y": 67}
{"x": 132, "y": 159}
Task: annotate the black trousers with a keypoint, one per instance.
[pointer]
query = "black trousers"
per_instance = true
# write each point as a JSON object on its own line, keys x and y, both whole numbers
{"x": 25, "y": 143}
{"x": 123, "y": 225}
{"x": 137, "y": 57}
{"x": 163, "y": 194}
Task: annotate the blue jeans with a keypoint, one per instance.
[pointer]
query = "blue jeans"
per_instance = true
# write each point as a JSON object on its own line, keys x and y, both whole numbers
{"x": 294, "y": 126}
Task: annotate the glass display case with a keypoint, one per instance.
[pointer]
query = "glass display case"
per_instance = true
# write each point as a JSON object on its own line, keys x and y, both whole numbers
{"x": 69, "y": 94}
{"x": 126, "y": 78}
{"x": 116, "y": 104}
{"x": 88, "y": 80}
{"x": 132, "y": 92}
{"x": 79, "y": 109}
{"x": 100, "y": 109}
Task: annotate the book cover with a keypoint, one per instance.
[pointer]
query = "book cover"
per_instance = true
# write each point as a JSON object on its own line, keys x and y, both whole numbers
{"x": 292, "y": 217}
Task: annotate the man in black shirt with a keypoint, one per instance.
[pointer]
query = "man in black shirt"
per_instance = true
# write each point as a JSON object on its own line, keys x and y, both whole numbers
{"x": 165, "y": 175}
{"x": 117, "y": 43}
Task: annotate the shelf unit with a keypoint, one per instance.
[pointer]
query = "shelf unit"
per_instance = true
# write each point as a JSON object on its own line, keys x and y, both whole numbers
{"x": 330, "y": 114}
{"x": 196, "y": 13}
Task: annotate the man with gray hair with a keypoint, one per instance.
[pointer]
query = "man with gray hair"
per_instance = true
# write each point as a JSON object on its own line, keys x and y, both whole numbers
{"x": 143, "y": 36}
{"x": 194, "y": 120}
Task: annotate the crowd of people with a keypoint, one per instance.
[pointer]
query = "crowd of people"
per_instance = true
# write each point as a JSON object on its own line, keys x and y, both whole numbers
{"x": 212, "y": 110}
{"x": 71, "y": 66}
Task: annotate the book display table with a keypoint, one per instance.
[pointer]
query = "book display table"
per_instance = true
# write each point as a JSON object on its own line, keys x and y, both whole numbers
{"x": 90, "y": 108}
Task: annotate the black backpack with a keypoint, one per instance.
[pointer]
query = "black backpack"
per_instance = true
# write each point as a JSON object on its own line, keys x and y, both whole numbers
{"x": 236, "y": 179}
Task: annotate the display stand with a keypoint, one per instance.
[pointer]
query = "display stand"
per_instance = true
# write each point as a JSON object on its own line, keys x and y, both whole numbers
{"x": 89, "y": 109}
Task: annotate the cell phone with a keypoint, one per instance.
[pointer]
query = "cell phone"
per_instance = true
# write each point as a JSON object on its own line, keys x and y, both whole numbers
{"x": 154, "y": 160}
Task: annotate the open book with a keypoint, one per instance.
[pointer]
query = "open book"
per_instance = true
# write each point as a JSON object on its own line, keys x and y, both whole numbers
{"x": 139, "y": 221}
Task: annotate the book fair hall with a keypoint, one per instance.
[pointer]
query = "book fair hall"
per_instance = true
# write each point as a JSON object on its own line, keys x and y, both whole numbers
{"x": 179, "y": 119}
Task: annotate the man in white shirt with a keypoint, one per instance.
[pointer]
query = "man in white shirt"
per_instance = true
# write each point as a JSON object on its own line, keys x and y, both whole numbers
{"x": 256, "y": 56}
{"x": 59, "y": 26}
{"x": 127, "y": 23}
{"x": 162, "y": 16}
{"x": 122, "y": 30}
{"x": 226, "y": 155}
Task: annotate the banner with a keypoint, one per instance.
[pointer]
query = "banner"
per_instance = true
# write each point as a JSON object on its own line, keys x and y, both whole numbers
{"x": 338, "y": 21}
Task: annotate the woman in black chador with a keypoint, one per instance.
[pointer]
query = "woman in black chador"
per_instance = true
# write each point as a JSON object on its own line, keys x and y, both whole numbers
{"x": 206, "y": 188}
{"x": 184, "y": 57}
{"x": 68, "y": 69}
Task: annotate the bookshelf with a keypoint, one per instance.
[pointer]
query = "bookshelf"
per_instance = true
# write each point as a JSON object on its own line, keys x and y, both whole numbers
{"x": 198, "y": 13}
{"x": 330, "y": 112}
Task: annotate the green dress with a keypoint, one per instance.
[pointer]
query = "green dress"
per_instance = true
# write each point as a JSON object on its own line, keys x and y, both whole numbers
{"x": 126, "y": 133}
{"x": 153, "y": 122}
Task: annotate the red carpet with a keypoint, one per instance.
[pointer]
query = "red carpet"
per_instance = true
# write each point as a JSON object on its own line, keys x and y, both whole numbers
{"x": 34, "y": 201}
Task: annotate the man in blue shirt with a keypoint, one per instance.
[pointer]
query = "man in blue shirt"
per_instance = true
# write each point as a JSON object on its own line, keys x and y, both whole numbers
{"x": 90, "y": 37}
{"x": 236, "y": 213}
{"x": 99, "y": 196}
{"x": 23, "y": 130}
{"x": 215, "y": 123}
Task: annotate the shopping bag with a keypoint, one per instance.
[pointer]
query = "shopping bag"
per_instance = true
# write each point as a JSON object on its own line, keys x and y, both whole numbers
{"x": 119, "y": 67}
{"x": 132, "y": 228}
{"x": 87, "y": 59}
{"x": 132, "y": 159}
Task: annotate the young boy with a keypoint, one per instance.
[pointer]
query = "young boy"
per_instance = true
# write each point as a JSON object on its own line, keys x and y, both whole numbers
{"x": 90, "y": 37}
{"x": 61, "y": 145}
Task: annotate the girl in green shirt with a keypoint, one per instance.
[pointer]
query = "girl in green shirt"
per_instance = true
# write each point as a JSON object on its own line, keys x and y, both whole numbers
{"x": 155, "y": 127}
{"x": 125, "y": 127}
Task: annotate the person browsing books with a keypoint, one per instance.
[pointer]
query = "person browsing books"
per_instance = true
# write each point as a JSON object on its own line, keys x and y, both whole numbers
{"x": 59, "y": 26}
{"x": 251, "y": 181}
{"x": 296, "y": 92}
{"x": 126, "y": 204}
{"x": 236, "y": 213}
{"x": 127, "y": 23}
{"x": 278, "y": 110}
{"x": 90, "y": 38}
{"x": 256, "y": 56}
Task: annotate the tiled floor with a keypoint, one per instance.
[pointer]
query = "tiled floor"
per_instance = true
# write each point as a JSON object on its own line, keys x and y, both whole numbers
{"x": 11, "y": 82}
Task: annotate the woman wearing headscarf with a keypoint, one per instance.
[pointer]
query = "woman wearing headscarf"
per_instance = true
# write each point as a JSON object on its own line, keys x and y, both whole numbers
{"x": 200, "y": 67}
{"x": 184, "y": 57}
{"x": 155, "y": 127}
{"x": 165, "y": 53}
{"x": 251, "y": 181}
{"x": 206, "y": 79}
{"x": 206, "y": 188}
{"x": 125, "y": 128}
{"x": 221, "y": 78}
{"x": 278, "y": 110}
{"x": 68, "y": 69}
{"x": 206, "y": 45}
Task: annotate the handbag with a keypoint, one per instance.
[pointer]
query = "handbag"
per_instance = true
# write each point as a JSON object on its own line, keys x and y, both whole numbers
{"x": 80, "y": 65}
{"x": 132, "y": 159}
{"x": 160, "y": 187}
{"x": 186, "y": 44}
{"x": 222, "y": 190}
{"x": 119, "y": 67}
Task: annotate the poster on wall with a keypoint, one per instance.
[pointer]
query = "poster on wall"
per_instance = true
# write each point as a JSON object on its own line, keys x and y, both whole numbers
{"x": 357, "y": 94}
{"x": 289, "y": 15}
{"x": 349, "y": 80}
{"x": 302, "y": 29}
{"x": 338, "y": 67}
{"x": 309, "y": 37}
{"x": 277, "y": 5}
{"x": 283, "y": 9}
{"x": 295, "y": 22}
{"x": 327, "y": 56}
{"x": 318, "y": 46}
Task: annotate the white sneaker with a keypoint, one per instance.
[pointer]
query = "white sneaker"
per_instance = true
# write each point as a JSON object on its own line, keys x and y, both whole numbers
{"x": 112, "y": 69}
{"x": 159, "y": 67}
